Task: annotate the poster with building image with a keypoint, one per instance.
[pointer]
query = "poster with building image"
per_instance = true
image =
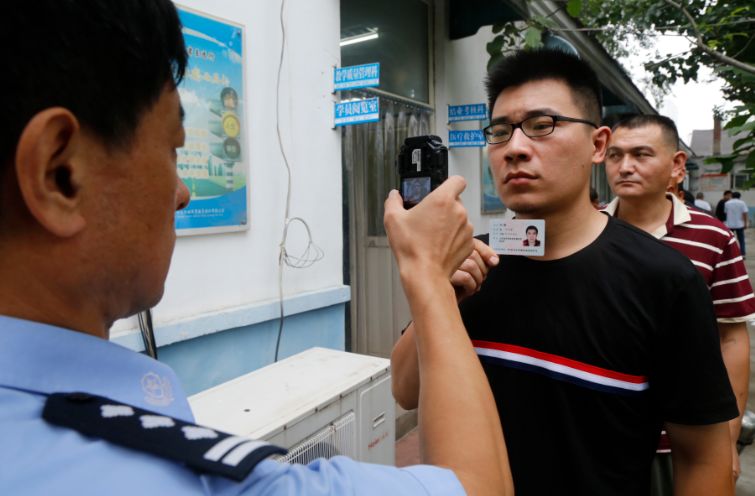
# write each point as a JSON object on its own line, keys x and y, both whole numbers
{"x": 213, "y": 162}
{"x": 490, "y": 202}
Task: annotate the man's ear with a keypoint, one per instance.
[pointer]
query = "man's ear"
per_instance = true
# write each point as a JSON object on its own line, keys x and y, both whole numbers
{"x": 679, "y": 166}
{"x": 600, "y": 139}
{"x": 47, "y": 171}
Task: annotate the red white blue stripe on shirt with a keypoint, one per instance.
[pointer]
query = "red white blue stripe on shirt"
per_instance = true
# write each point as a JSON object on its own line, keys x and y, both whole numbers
{"x": 560, "y": 368}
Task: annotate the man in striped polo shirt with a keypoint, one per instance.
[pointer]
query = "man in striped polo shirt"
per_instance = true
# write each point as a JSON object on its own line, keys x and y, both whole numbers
{"x": 642, "y": 157}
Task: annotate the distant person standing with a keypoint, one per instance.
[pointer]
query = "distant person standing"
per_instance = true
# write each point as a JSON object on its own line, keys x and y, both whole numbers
{"x": 720, "y": 212}
{"x": 595, "y": 199}
{"x": 736, "y": 218}
{"x": 701, "y": 203}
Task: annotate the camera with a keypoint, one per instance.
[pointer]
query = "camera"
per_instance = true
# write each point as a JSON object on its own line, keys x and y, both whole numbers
{"x": 422, "y": 167}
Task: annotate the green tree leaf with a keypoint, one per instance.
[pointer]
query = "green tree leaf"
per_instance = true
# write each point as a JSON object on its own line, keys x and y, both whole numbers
{"x": 533, "y": 37}
{"x": 737, "y": 121}
{"x": 574, "y": 8}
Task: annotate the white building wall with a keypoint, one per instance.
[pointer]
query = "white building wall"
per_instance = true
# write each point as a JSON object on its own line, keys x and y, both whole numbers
{"x": 213, "y": 274}
{"x": 461, "y": 66}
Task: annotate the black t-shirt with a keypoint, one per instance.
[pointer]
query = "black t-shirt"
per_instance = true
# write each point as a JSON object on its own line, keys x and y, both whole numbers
{"x": 721, "y": 210}
{"x": 588, "y": 355}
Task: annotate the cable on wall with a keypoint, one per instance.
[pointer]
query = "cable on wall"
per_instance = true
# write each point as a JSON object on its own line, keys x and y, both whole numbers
{"x": 312, "y": 253}
{"x": 148, "y": 333}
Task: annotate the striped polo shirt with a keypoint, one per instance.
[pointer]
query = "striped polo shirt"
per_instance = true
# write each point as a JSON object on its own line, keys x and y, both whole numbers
{"x": 713, "y": 249}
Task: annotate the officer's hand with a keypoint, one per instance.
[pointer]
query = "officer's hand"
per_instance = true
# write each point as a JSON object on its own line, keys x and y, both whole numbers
{"x": 469, "y": 276}
{"x": 434, "y": 237}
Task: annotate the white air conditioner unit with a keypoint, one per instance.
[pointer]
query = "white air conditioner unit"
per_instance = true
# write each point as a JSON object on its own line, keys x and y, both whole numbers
{"x": 318, "y": 403}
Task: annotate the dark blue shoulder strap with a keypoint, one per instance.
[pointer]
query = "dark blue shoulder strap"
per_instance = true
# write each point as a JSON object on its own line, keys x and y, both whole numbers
{"x": 201, "y": 448}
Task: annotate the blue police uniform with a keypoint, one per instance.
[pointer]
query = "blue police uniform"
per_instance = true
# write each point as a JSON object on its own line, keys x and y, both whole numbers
{"x": 38, "y": 457}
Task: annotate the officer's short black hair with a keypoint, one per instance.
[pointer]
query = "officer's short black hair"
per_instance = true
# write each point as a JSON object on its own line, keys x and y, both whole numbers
{"x": 106, "y": 61}
{"x": 667, "y": 126}
{"x": 736, "y": 194}
{"x": 526, "y": 66}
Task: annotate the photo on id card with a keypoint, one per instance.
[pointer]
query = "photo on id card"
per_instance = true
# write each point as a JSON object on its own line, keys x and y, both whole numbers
{"x": 518, "y": 237}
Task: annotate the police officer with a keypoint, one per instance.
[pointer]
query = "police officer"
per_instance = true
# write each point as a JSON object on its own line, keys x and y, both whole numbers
{"x": 89, "y": 125}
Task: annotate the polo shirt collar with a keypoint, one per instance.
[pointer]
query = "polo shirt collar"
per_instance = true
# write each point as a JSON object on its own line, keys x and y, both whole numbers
{"x": 43, "y": 359}
{"x": 679, "y": 214}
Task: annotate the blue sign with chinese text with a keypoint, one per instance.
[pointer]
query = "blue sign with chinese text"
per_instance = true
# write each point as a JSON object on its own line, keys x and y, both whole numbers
{"x": 357, "y": 112}
{"x": 472, "y": 112}
{"x": 356, "y": 76}
{"x": 459, "y": 139}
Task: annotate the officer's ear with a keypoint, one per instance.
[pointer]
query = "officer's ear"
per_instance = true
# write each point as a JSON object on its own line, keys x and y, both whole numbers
{"x": 48, "y": 169}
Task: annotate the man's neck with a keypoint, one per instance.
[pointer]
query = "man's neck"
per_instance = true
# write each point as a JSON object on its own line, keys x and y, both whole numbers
{"x": 34, "y": 288}
{"x": 645, "y": 213}
{"x": 569, "y": 230}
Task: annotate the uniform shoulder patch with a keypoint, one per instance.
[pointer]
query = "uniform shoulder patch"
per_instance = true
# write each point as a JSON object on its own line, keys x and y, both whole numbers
{"x": 200, "y": 448}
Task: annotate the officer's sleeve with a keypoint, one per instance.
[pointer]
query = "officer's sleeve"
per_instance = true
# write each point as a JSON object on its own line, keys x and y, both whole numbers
{"x": 343, "y": 476}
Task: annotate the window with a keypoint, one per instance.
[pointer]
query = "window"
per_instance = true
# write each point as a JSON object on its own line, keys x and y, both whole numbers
{"x": 400, "y": 45}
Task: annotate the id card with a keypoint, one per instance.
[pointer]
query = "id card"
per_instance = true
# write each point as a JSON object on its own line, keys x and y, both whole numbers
{"x": 518, "y": 237}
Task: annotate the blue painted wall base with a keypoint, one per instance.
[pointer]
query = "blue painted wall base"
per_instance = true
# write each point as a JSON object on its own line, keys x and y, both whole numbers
{"x": 212, "y": 359}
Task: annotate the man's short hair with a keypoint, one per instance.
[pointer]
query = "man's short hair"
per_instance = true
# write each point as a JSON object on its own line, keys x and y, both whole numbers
{"x": 736, "y": 194}
{"x": 699, "y": 195}
{"x": 727, "y": 192}
{"x": 634, "y": 121}
{"x": 526, "y": 66}
{"x": 532, "y": 228}
{"x": 107, "y": 62}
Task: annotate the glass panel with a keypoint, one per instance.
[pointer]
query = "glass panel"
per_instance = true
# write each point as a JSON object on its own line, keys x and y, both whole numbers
{"x": 401, "y": 45}
{"x": 374, "y": 147}
{"x": 740, "y": 181}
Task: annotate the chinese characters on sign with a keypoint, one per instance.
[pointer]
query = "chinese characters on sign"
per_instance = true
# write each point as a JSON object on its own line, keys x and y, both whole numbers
{"x": 469, "y": 138}
{"x": 473, "y": 112}
{"x": 356, "y": 76}
{"x": 358, "y": 111}
{"x": 213, "y": 162}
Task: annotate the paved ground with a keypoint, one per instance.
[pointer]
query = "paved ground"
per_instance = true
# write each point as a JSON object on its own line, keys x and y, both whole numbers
{"x": 407, "y": 448}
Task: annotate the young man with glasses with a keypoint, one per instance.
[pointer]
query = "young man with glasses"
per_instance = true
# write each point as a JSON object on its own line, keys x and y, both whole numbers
{"x": 590, "y": 348}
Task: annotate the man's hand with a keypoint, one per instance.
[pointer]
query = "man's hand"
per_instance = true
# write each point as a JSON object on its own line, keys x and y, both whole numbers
{"x": 435, "y": 236}
{"x": 469, "y": 276}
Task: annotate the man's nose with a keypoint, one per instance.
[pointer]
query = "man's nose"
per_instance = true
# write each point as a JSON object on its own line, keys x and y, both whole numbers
{"x": 626, "y": 165}
{"x": 519, "y": 147}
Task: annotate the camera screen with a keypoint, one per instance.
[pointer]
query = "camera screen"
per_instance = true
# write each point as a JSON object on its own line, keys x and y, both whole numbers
{"x": 413, "y": 189}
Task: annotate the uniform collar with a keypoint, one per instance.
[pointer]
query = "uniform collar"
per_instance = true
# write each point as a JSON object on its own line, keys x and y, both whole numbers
{"x": 43, "y": 359}
{"x": 679, "y": 214}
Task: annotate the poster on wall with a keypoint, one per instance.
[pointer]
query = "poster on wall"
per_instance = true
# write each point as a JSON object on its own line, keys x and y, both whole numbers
{"x": 490, "y": 203}
{"x": 214, "y": 160}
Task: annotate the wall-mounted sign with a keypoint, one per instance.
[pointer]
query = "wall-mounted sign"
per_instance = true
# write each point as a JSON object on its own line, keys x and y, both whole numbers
{"x": 357, "y": 112}
{"x": 213, "y": 162}
{"x": 470, "y": 138}
{"x": 356, "y": 76}
{"x": 472, "y": 112}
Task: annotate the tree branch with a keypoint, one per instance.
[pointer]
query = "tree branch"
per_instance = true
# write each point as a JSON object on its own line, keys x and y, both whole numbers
{"x": 704, "y": 47}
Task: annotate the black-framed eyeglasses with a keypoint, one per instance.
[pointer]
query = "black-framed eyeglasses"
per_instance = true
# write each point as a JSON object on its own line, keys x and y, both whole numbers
{"x": 533, "y": 127}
